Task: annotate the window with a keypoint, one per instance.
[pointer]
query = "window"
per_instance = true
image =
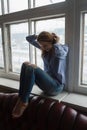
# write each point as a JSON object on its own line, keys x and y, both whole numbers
{"x": 67, "y": 18}
{"x": 1, "y": 51}
{"x": 19, "y": 46}
{"x": 56, "y": 25}
{"x": 15, "y": 5}
{"x": 37, "y": 3}
{"x": 84, "y": 52}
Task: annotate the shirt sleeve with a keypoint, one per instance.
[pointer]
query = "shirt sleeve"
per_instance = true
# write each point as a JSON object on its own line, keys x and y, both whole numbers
{"x": 61, "y": 51}
{"x": 32, "y": 40}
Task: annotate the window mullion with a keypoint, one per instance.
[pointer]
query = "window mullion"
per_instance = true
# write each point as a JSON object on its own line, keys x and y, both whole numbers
{"x": 2, "y": 46}
{"x": 34, "y": 3}
{"x": 82, "y": 48}
{"x": 35, "y": 48}
{"x": 2, "y": 6}
{"x": 9, "y": 48}
{"x": 8, "y": 9}
{"x": 5, "y": 48}
{"x": 29, "y": 4}
{"x": 30, "y": 47}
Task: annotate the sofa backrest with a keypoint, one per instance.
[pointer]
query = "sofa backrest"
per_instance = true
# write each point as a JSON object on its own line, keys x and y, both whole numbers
{"x": 41, "y": 114}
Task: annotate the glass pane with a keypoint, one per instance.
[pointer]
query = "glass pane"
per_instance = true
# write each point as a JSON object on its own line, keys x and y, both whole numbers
{"x": 1, "y": 52}
{"x": 84, "y": 64}
{"x": 0, "y": 8}
{"x": 56, "y": 25}
{"x": 17, "y": 5}
{"x": 37, "y": 3}
{"x": 19, "y": 45}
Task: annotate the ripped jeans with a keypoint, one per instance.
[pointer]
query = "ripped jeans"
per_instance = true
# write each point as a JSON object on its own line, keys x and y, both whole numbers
{"x": 34, "y": 75}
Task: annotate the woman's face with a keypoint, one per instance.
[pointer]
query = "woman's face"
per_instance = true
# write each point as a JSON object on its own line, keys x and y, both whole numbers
{"x": 45, "y": 46}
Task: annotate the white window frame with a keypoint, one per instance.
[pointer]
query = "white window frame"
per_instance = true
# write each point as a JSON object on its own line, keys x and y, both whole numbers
{"x": 78, "y": 30}
{"x": 72, "y": 9}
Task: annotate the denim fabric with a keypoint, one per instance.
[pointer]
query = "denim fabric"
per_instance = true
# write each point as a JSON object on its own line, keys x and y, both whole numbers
{"x": 30, "y": 76}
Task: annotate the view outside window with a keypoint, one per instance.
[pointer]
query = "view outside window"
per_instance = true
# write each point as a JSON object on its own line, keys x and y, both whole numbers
{"x": 1, "y": 52}
{"x": 56, "y": 25}
{"x": 37, "y": 3}
{"x": 15, "y": 5}
{"x": 19, "y": 45}
{"x": 84, "y": 57}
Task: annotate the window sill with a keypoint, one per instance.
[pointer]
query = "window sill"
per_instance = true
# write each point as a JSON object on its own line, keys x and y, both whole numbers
{"x": 8, "y": 84}
{"x": 13, "y": 85}
{"x": 77, "y": 101}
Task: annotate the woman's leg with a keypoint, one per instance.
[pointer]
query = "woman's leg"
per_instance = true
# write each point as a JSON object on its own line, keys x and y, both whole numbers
{"x": 33, "y": 75}
{"x": 45, "y": 82}
{"x": 42, "y": 79}
{"x": 22, "y": 77}
{"x": 26, "y": 88}
{"x": 26, "y": 83}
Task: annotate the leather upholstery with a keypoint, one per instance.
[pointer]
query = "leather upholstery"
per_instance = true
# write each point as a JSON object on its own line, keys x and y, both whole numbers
{"x": 41, "y": 114}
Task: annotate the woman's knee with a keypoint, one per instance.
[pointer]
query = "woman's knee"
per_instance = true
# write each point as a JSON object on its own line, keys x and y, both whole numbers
{"x": 26, "y": 63}
{"x": 23, "y": 66}
{"x": 29, "y": 67}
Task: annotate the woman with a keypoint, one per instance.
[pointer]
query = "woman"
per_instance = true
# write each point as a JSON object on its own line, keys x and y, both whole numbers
{"x": 52, "y": 79}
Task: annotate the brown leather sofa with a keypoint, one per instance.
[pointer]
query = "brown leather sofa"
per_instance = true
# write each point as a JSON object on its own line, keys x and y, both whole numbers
{"x": 41, "y": 114}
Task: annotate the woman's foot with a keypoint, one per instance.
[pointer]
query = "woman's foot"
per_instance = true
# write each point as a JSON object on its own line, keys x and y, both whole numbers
{"x": 19, "y": 108}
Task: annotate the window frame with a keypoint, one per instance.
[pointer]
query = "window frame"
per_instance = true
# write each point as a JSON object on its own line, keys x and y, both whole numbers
{"x": 72, "y": 9}
{"x": 82, "y": 8}
{"x": 2, "y": 47}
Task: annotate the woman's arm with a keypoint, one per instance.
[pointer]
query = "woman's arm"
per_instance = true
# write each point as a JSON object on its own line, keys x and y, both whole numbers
{"x": 61, "y": 51}
{"x": 32, "y": 39}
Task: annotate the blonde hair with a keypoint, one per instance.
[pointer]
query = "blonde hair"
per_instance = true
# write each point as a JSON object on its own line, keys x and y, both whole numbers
{"x": 48, "y": 37}
{"x": 52, "y": 38}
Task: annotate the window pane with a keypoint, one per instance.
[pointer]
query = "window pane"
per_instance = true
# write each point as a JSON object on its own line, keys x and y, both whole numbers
{"x": 84, "y": 64}
{"x": 37, "y": 3}
{"x": 56, "y": 25}
{"x": 1, "y": 52}
{"x": 19, "y": 45}
{"x": 17, "y": 5}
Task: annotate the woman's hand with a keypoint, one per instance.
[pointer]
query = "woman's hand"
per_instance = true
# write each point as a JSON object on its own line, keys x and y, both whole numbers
{"x": 36, "y": 36}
